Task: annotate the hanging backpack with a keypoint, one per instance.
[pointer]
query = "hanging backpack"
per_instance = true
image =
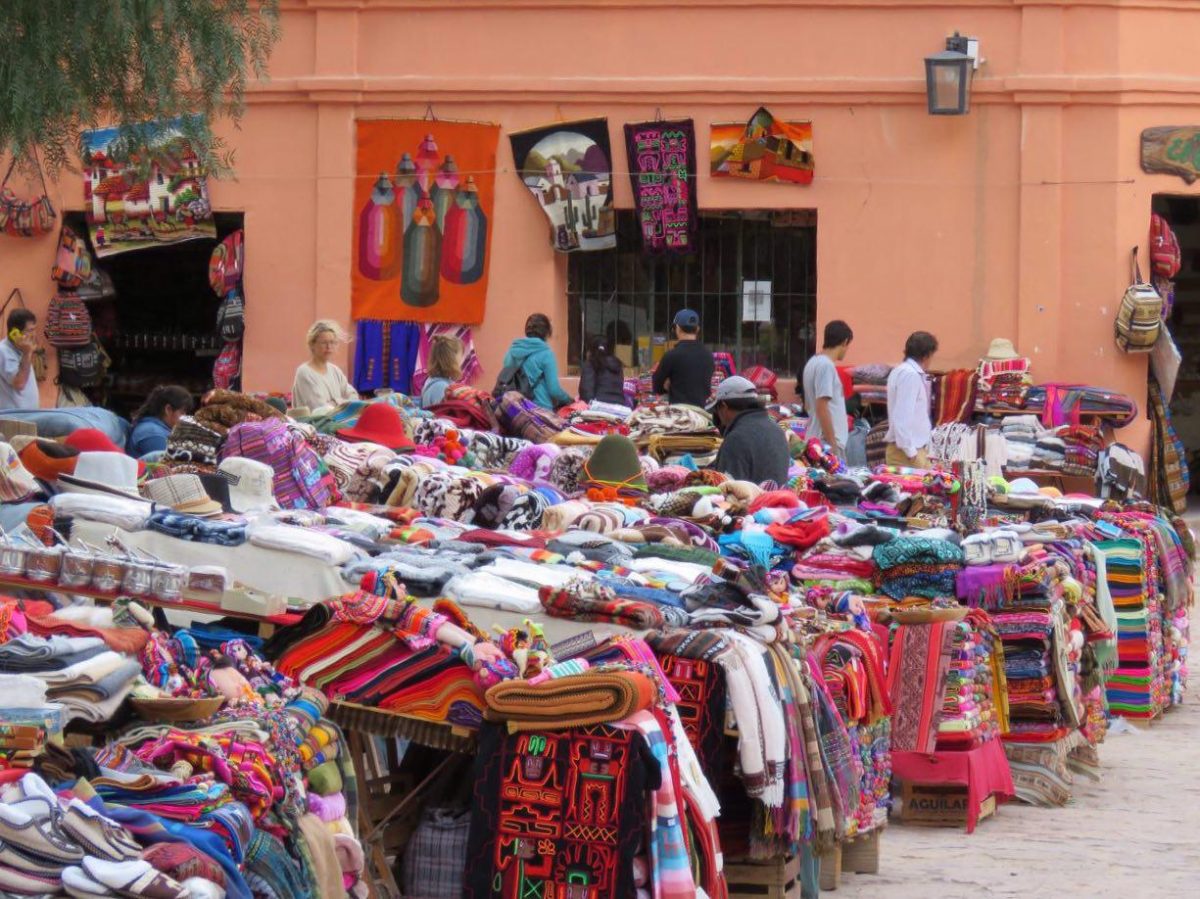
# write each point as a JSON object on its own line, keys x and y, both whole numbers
{"x": 228, "y": 367}
{"x": 512, "y": 379}
{"x": 73, "y": 262}
{"x": 1139, "y": 317}
{"x": 1165, "y": 257}
{"x": 1120, "y": 473}
{"x": 68, "y": 322}
{"x": 226, "y": 264}
{"x": 231, "y": 317}
{"x": 82, "y": 367}
{"x": 301, "y": 479}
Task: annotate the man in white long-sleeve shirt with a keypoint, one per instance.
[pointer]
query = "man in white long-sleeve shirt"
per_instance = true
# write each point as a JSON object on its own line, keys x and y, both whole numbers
{"x": 909, "y": 425}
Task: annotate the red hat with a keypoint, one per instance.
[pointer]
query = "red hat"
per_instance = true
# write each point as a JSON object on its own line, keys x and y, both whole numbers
{"x": 93, "y": 440}
{"x": 379, "y": 423}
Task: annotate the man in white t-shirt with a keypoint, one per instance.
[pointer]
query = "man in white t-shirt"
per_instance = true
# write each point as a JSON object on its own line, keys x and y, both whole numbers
{"x": 18, "y": 386}
{"x": 824, "y": 398}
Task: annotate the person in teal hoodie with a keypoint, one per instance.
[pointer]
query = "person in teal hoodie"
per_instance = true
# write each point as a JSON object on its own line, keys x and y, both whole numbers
{"x": 537, "y": 361}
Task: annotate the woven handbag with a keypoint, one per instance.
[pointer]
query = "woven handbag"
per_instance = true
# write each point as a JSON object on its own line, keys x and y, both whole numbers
{"x": 1139, "y": 318}
{"x": 25, "y": 218}
{"x": 68, "y": 322}
{"x": 73, "y": 263}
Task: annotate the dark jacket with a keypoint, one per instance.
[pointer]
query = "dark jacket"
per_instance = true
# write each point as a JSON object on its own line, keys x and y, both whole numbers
{"x": 754, "y": 449}
{"x": 688, "y": 367}
{"x": 606, "y": 384}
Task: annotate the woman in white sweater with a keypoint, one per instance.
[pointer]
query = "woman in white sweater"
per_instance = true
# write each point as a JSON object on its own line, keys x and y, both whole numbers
{"x": 319, "y": 382}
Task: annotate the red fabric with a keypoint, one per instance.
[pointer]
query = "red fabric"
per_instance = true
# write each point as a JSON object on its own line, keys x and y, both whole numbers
{"x": 846, "y": 378}
{"x": 983, "y": 771}
{"x": 801, "y": 534}
{"x": 775, "y": 499}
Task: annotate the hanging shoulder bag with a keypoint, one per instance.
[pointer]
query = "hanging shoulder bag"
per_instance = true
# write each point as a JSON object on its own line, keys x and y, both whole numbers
{"x": 1139, "y": 317}
{"x": 25, "y": 218}
{"x": 39, "y": 355}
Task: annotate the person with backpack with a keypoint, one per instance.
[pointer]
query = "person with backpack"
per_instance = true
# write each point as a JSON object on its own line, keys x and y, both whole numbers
{"x": 18, "y": 386}
{"x": 157, "y": 417}
{"x": 602, "y": 376}
{"x": 686, "y": 370}
{"x": 319, "y": 382}
{"x": 530, "y": 367}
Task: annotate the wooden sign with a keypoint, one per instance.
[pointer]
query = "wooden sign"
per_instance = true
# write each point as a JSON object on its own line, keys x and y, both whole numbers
{"x": 1172, "y": 150}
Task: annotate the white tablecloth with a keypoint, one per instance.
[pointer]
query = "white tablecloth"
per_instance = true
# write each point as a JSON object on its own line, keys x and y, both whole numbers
{"x": 303, "y": 580}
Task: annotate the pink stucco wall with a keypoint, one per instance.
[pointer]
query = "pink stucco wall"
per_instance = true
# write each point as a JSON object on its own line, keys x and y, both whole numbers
{"x": 1015, "y": 220}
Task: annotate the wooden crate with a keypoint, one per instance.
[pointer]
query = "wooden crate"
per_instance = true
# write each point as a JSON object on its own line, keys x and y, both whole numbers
{"x": 861, "y": 855}
{"x": 775, "y": 879}
{"x": 831, "y": 868}
{"x": 939, "y": 806}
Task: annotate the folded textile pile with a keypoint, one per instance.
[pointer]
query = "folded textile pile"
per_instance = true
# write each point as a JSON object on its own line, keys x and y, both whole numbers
{"x": 1049, "y": 452}
{"x": 198, "y": 530}
{"x": 1081, "y": 449}
{"x": 596, "y": 697}
{"x": 918, "y": 566}
{"x": 596, "y": 602}
{"x": 82, "y": 673}
{"x": 1059, "y": 403}
{"x": 661, "y": 418}
{"x": 1021, "y": 434}
{"x": 969, "y": 715}
{"x": 1003, "y": 384}
{"x": 701, "y": 446}
{"x": 1134, "y": 687}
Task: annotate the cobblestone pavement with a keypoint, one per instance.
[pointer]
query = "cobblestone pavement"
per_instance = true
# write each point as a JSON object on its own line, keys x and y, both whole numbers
{"x": 1135, "y": 833}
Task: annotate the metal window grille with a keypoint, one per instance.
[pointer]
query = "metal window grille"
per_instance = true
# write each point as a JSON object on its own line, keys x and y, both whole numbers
{"x": 630, "y": 298}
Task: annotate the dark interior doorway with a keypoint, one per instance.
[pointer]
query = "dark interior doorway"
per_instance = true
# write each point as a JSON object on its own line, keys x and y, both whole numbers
{"x": 1183, "y": 215}
{"x": 160, "y": 326}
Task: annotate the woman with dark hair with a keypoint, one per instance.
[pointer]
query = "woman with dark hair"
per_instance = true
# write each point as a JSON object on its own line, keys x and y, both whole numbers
{"x": 533, "y": 356}
{"x": 602, "y": 376}
{"x": 158, "y": 415}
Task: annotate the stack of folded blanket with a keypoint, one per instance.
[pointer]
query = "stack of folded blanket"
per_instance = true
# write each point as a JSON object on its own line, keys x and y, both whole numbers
{"x": 967, "y": 719}
{"x": 917, "y": 566}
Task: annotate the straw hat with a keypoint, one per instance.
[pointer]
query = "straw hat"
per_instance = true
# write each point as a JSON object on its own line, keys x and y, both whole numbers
{"x": 1001, "y": 349}
{"x": 184, "y": 493}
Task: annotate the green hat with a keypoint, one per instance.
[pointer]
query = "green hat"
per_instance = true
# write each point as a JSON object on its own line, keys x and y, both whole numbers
{"x": 614, "y": 463}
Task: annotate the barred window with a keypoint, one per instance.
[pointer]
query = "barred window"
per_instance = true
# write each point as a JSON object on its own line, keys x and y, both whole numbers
{"x": 752, "y": 279}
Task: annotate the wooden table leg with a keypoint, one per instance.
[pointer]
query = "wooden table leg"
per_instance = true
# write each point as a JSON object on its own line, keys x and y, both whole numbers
{"x": 371, "y": 834}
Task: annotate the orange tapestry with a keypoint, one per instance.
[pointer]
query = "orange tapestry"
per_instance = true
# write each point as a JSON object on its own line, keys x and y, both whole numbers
{"x": 762, "y": 149}
{"x": 422, "y": 220}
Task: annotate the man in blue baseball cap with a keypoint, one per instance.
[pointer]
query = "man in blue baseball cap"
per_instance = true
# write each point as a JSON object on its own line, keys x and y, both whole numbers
{"x": 685, "y": 372}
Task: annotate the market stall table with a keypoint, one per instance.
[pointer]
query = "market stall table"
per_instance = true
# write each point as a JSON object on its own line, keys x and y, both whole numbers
{"x": 297, "y": 577}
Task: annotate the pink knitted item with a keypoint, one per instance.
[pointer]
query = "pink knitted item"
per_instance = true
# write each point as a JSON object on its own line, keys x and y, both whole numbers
{"x": 667, "y": 479}
{"x": 533, "y": 462}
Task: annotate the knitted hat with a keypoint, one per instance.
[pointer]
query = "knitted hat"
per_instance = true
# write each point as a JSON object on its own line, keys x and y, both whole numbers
{"x": 614, "y": 463}
{"x": 191, "y": 441}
